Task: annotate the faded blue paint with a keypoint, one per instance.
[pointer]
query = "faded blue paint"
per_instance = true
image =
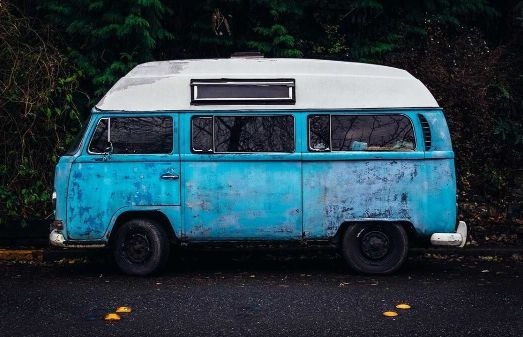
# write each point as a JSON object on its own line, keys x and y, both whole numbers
{"x": 242, "y": 199}
{"x": 61, "y": 179}
{"x": 261, "y": 196}
{"x": 380, "y": 189}
{"x": 97, "y": 190}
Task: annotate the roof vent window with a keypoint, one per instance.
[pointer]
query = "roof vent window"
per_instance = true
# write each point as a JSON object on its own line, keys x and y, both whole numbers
{"x": 232, "y": 91}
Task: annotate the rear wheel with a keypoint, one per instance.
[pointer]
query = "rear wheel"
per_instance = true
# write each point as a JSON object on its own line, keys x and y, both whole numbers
{"x": 140, "y": 247}
{"x": 376, "y": 248}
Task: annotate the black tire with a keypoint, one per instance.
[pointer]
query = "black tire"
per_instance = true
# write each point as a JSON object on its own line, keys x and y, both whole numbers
{"x": 375, "y": 248}
{"x": 140, "y": 247}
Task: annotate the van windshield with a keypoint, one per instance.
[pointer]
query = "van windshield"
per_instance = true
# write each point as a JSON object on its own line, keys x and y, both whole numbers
{"x": 75, "y": 145}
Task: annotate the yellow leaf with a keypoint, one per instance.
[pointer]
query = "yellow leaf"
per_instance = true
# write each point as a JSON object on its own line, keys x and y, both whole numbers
{"x": 123, "y": 310}
{"x": 112, "y": 317}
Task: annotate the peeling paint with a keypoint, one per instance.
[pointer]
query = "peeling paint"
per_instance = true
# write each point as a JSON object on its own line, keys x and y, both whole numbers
{"x": 243, "y": 200}
{"x": 383, "y": 190}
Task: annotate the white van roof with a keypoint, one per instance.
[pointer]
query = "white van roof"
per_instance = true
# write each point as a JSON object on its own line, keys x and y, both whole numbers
{"x": 319, "y": 84}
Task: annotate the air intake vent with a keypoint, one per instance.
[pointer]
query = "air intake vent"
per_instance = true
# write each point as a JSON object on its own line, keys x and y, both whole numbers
{"x": 425, "y": 127}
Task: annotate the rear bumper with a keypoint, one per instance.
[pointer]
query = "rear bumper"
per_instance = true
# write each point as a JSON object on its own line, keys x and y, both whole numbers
{"x": 457, "y": 239}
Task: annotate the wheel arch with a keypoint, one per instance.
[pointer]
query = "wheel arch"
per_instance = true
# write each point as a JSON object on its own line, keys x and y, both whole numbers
{"x": 155, "y": 215}
{"x": 406, "y": 224}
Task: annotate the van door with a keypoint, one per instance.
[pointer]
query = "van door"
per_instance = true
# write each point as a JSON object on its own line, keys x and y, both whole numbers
{"x": 242, "y": 179}
{"x": 130, "y": 162}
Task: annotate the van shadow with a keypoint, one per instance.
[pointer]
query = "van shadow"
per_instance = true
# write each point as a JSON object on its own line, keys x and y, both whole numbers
{"x": 211, "y": 260}
{"x": 255, "y": 259}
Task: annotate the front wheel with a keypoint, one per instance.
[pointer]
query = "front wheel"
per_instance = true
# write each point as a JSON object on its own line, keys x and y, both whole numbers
{"x": 376, "y": 248}
{"x": 140, "y": 247}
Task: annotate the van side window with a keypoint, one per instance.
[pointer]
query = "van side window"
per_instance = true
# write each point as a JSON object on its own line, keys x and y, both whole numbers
{"x": 363, "y": 133}
{"x": 319, "y": 133}
{"x": 99, "y": 143}
{"x": 233, "y": 134}
{"x": 133, "y": 135}
{"x": 201, "y": 134}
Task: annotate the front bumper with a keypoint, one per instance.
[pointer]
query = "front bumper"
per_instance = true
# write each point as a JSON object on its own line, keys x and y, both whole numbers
{"x": 56, "y": 238}
{"x": 457, "y": 239}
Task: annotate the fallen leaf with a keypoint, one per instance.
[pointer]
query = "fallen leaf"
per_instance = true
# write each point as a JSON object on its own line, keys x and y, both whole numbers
{"x": 112, "y": 317}
{"x": 123, "y": 310}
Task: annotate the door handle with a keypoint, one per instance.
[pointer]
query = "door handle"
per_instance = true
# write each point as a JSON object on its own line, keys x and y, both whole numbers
{"x": 170, "y": 176}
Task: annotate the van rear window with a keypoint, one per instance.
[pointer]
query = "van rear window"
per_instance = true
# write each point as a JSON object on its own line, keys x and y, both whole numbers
{"x": 233, "y": 134}
{"x": 133, "y": 135}
{"x": 361, "y": 133}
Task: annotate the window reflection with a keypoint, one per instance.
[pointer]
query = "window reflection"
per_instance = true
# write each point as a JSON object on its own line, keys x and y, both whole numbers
{"x": 133, "y": 135}
{"x": 243, "y": 134}
{"x": 361, "y": 133}
{"x": 201, "y": 131}
{"x": 319, "y": 133}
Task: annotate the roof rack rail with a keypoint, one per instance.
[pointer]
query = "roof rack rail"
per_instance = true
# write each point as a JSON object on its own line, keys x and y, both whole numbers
{"x": 247, "y": 54}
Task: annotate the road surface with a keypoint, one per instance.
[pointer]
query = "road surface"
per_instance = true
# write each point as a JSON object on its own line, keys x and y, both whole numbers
{"x": 243, "y": 293}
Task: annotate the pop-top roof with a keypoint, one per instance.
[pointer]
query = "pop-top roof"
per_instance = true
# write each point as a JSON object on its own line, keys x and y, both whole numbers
{"x": 318, "y": 84}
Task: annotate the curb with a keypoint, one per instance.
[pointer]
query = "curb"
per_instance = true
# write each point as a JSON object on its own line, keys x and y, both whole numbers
{"x": 18, "y": 255}
{"x": 502, "y": 252}
{"x": 56, "y": 254}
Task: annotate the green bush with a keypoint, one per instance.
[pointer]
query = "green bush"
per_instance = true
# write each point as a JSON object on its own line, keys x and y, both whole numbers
{"x": 37, "y": 113}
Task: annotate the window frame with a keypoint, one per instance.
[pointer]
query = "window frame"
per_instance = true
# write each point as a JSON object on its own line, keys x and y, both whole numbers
{"x": 259, "y": 152}
{"x": 310, "y": 149}
{"x": 129, "y": 154}
{"x": 309, "y": 118}
{"x": 93, "y": 133}
{"x": 289, "y": 100}
{"x": 193, "y": 150}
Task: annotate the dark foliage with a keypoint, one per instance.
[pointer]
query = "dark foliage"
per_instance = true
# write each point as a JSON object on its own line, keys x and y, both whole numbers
{"x": 469, "y": 53}
{"x": 38, "y": 115}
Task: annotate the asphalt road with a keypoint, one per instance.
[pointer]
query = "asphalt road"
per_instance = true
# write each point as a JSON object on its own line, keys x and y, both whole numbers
{"x": 264, "y": 294}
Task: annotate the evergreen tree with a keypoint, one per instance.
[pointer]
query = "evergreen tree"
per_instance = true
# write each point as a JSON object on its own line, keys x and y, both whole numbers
{"x": 272, "y": 37}
{"x": 371, "y": 28}
{"x": 106, "y": 38}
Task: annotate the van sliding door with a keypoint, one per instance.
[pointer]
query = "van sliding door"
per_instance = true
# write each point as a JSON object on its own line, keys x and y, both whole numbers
{"x": 242, "y": 178}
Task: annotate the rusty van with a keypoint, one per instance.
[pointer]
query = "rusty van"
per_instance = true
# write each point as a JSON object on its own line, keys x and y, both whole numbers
{"x": 258, "y": 149}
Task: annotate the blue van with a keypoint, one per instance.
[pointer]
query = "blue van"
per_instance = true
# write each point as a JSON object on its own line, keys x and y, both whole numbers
{"x": 255, "y": 149}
